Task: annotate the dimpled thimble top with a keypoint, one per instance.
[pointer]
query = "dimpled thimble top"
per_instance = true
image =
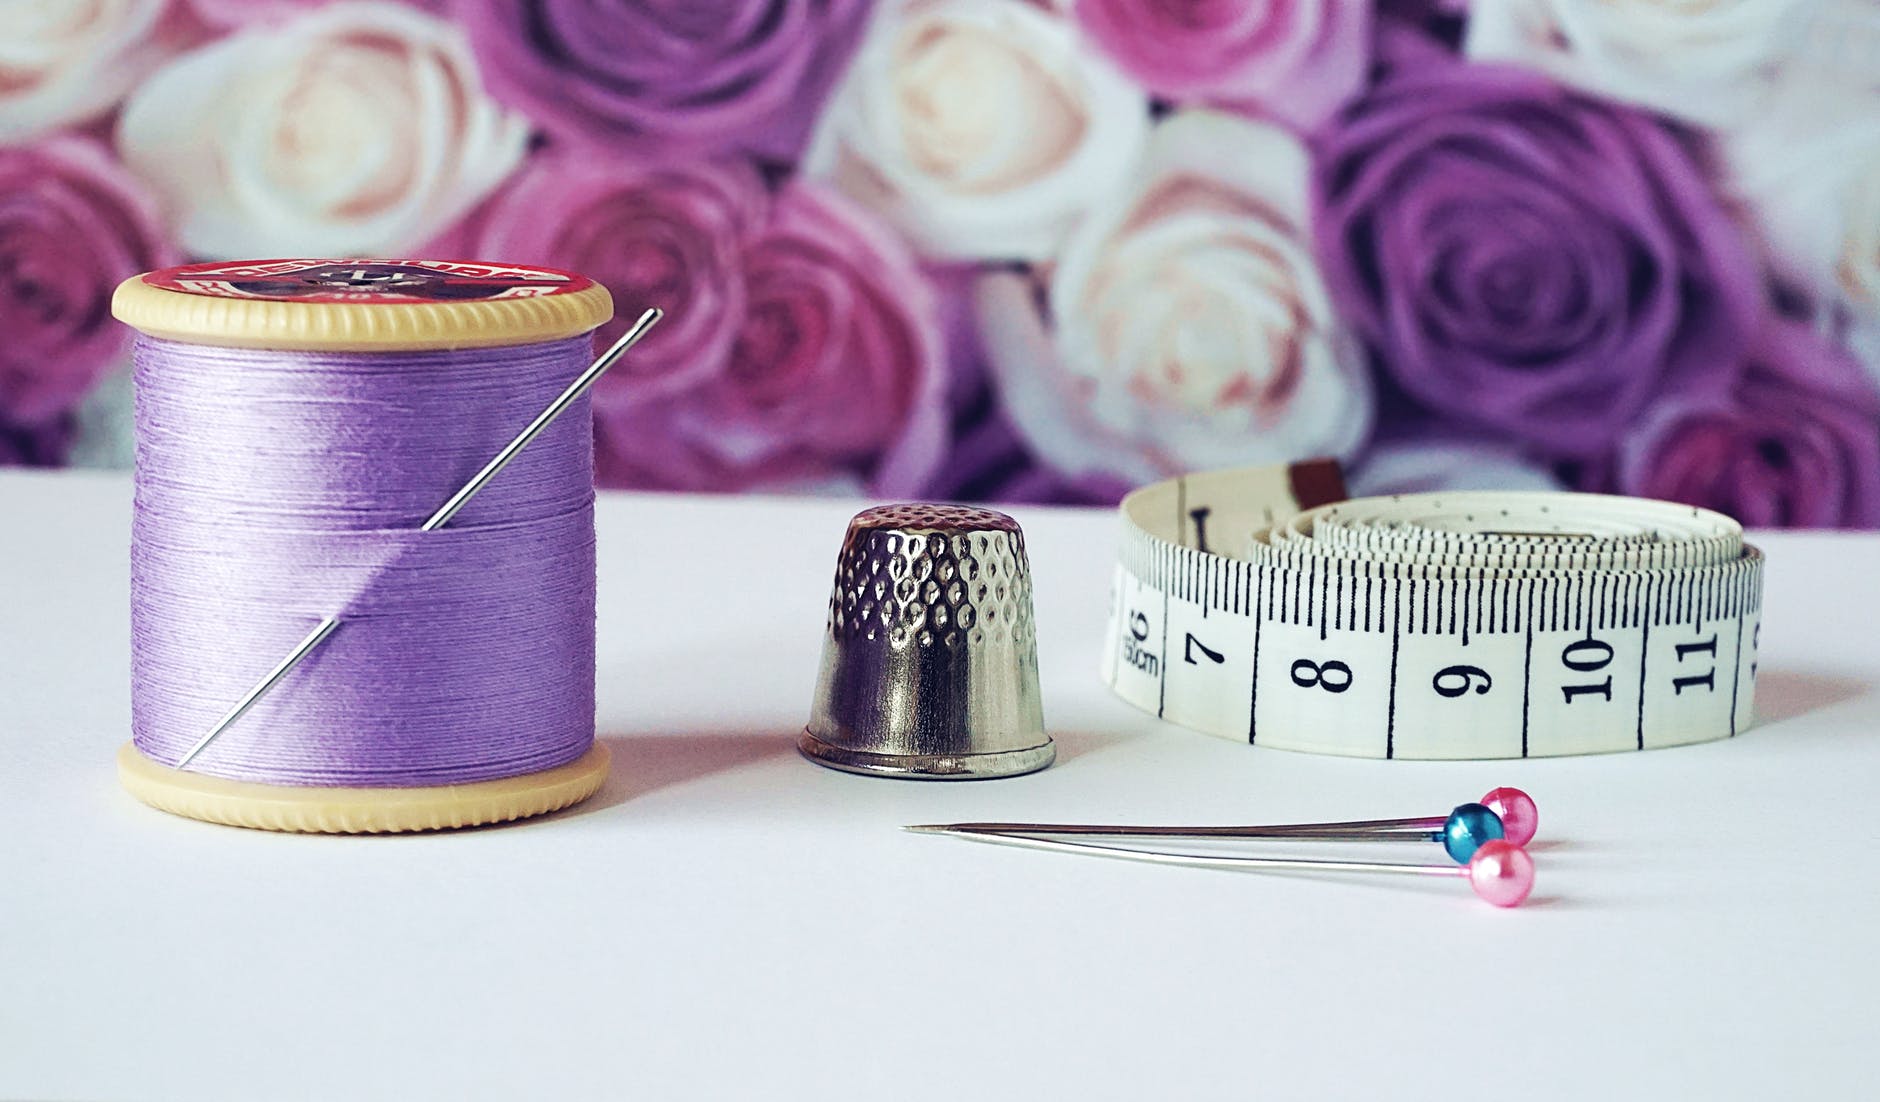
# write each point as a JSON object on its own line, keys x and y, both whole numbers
{"x": 926, "y": 575}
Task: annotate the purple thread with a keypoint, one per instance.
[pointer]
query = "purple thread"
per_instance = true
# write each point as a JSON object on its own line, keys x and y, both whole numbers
{"x": 275, "y": 488}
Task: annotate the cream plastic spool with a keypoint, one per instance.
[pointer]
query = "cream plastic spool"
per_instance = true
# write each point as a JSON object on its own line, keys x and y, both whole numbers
{"x": 354, "y": 305}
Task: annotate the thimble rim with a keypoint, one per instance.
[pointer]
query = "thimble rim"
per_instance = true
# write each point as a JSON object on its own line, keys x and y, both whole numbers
{"x": 929, "y": 767}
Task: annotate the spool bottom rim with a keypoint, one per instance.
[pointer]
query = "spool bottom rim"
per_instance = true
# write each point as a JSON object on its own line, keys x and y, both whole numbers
{"x": 928, "y": 767}
{"x": 312, "y": 810}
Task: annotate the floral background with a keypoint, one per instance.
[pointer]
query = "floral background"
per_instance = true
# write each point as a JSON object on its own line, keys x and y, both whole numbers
{"x": 1027, "y": 250}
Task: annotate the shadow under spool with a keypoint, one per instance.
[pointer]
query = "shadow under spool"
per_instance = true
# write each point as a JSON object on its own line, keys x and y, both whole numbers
{"x": 296, "y": 422}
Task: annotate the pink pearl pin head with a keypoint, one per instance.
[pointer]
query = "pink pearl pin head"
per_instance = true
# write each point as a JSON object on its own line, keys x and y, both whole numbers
{"x": 1519, "y": 817}
{"x": 1502, "y": 873}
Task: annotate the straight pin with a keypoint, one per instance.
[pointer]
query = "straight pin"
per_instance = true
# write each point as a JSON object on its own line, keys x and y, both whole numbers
{"x": 1503, "y": 814}
{"x": 440, "y": 518}
{"x": 1500, "y": 872}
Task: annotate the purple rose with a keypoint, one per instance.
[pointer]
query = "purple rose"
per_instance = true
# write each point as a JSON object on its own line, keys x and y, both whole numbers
{"x": 73, "y": 225}
{"x": 834, "y": 379}
{"x": 1296, "y": 60}
{"x": 694, "y": 74}
{"x": 656, "y": 235}
{"x": 1795, "y": 444}
{"x": 1527, "y": 259}
{"x": 1418, "y": 33}
{"x": 989, "y": 461}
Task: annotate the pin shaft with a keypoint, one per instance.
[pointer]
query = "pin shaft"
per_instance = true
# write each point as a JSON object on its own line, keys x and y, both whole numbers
{"x": 437, "y": 520}
{"x": 1427, "y": 828}
{"x": 1195, "y": 860}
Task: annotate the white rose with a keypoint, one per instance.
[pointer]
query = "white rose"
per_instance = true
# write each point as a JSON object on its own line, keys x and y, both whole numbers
{"x": 355, "y": 129}
{"x": 1806, "y": 166}
{"x": 1192, "y": 329}
{"x": 1702, "y": 60}
{"x": 62, "y": 63}
{"x": 1419, "y": 466}
{"x": 982, "y": 128}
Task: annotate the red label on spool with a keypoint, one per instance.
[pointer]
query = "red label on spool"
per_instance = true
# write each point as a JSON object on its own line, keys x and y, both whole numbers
{"x": 366, "y": 281}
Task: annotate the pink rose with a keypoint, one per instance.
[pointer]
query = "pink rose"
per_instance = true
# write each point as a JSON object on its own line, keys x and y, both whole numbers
{"x": 1796, "y": 444}
{"x": 1295, "y": 60}
{"x": 801, "y": 344}
{"x": 833, "y": 380}
{"x": 670, "y": 236}
{"x": 73, "y": 224}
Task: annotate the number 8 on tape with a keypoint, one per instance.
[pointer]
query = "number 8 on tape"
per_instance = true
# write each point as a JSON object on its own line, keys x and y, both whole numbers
{"x": 1448, "y": 625}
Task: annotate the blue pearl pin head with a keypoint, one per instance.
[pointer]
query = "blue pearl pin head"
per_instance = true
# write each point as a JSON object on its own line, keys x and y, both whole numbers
{"x": 1467, "y": 827}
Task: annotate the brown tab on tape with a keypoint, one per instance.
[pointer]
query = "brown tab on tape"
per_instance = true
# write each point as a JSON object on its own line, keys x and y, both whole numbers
{"x": 1316, "y": 482}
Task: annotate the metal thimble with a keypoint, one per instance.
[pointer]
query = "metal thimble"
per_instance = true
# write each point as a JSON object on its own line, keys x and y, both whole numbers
{"x": 930, "y": 660}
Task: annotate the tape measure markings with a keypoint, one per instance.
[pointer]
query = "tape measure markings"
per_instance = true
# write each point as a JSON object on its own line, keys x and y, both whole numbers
{"x": 1355, "y": 603}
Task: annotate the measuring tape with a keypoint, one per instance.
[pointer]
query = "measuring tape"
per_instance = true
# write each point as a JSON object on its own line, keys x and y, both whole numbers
{"x": 1250, "y": 604}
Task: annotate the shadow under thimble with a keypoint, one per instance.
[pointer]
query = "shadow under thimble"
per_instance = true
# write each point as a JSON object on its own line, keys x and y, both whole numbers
{"x": 930, "y": 660}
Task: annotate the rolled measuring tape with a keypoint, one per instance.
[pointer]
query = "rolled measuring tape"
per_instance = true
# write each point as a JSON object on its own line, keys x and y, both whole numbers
{"x": 1248, "y": 604}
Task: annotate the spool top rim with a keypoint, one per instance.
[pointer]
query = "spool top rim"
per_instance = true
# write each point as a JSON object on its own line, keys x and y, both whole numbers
{"x": 361, "y": 305}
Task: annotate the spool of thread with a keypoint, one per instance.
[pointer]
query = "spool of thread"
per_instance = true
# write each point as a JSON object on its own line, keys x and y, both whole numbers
{"x": 297, "y": 421}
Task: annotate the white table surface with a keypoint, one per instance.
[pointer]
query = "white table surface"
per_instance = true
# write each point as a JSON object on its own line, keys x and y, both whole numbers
{"x": 727, "y": 920}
